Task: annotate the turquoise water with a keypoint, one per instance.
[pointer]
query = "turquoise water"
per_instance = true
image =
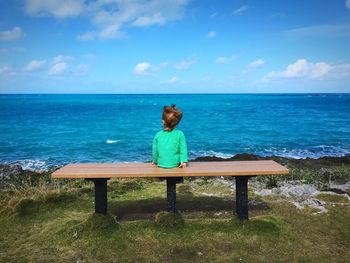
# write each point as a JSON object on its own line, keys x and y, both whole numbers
{"x": 43, "y": 130}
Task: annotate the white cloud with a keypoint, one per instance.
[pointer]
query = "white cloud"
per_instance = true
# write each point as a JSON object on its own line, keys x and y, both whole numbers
{"x": 6, "y": 70}
{"x": 340, "y": 71}
{"x": 303, "y": 69}
{"x": 256, "y": 63}
{"x": 112, "y": 17}
{"x": 58, "y": 68}
{"x": 110, "y": 32}
{"x": 173, "y": 80}
{"x": 146, "y": 13}
{"x": 325, "y": 30}
{"x": 240, "y": 10}
{"x": 163, "y": 65}
{"x": 58, "y": 8}
{"x": 211, "y": 34}
{"x": 35, "y": 65}
{"x": 87, "y": 36}
{"x": 13, "y": 49}
{"x": 59, "y": 65}
{"x": 224, "y": 60}
{"x": 149, "y": 20}
{"x": 12, "y": 34}
{"x": 185, "y": 64}
{"x": 142, "y": 68}
{"x": 61, "y": 58}
{"x": 347, "y": 3}
{"x": 109, "y": 17}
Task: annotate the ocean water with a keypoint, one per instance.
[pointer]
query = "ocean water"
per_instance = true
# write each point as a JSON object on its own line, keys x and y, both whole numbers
{"x": 38, "y": 131}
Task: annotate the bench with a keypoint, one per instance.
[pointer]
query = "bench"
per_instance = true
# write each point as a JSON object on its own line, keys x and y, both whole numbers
{"x": 99, "y": 173}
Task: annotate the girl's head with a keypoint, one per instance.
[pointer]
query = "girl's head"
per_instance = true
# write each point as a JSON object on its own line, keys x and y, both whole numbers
{"x": 171, "y": 117}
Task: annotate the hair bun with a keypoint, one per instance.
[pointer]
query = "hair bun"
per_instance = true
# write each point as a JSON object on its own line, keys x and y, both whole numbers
{"x": 173, "y": 105}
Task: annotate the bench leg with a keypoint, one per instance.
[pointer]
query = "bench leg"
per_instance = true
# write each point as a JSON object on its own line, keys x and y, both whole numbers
{"x": 171, "y": 192}
{"x": 100, "y": 195}
{"x": 242, "y": 197}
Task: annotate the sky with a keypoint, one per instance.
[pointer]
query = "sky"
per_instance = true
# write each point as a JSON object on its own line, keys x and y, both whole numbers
{"x": 174, "y": 46}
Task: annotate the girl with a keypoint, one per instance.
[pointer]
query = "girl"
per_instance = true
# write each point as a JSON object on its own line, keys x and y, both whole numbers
{"x": 169, "y": 147}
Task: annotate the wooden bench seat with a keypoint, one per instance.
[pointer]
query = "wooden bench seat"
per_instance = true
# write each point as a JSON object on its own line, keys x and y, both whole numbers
{"x": 99, "y": 173}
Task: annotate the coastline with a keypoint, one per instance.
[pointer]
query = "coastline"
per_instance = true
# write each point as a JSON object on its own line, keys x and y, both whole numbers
{"x": 14, "y": 168}
{"x": 291, "y": 162}
{"x": 312, "y": 202}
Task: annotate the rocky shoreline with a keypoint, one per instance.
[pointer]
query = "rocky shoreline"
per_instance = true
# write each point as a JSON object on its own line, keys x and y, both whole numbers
{"x": 308, "y": 179}
{"x": 7, "y": 170}
{"x": 326, "y": 161}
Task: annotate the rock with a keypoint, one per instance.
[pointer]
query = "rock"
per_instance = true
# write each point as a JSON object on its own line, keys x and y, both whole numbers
{"x": 299, "y": 195}
{"x": 342, "y": 187}
{"x": 7, "y": 170}
{"x": 209, "y": 159}
{"x": 289, "y": 190}
{"x": 246, "y": 157}
{"x": 314, "y": 203}
{"x": 210, "y": 194}
{"x": 305, "y": 195}
{"x": 291, "y": 162}
{"x": 336, "y": 191}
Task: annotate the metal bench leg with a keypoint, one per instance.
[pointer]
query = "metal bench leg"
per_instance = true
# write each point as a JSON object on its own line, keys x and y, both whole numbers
{"x": 242, "y": 197}
{"x": 171, "y": 192}
{"x": 100, "y": 195}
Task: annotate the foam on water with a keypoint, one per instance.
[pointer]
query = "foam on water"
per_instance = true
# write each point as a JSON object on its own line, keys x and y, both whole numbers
{"x": 111, "y": 141}
{"x": 32, "y": 165}
{"x": 43, "y": 165}
{"x": 313, "y": 152}
{"x": 202, "y": 153}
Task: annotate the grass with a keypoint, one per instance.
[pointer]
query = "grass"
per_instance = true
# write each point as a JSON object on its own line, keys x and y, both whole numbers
{"x": 169, "y": 219}
{"x": 46, "y": 221}
{"x": 321, "y": 178}
{"x": 332, "y": 198}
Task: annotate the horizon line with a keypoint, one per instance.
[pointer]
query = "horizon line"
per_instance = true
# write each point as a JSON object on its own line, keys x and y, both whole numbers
{"x": 204, "y": 93}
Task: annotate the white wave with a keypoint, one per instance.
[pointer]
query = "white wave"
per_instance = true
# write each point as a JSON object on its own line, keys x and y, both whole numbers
{"x": 313, "y": 152}
{"x": 196, "y": 154}
{"x": 112, "y": 141}
{"x": 33, "y": 165}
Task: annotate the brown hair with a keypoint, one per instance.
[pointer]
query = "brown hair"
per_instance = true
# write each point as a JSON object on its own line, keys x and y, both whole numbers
{"x": 171, "y": 116}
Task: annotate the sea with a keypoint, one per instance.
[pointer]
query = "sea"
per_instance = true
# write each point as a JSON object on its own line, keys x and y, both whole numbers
{"x": 39, "y": 131}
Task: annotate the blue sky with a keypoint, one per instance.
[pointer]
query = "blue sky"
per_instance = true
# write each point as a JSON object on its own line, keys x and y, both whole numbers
{"x": 174, "y": 46}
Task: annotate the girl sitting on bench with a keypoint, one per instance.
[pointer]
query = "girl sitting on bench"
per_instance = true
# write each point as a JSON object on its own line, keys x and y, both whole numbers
{"x": 169, "y": 149}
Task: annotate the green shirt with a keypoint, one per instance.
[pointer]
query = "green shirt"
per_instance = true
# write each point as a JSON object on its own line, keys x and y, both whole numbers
{"x": 169, "y": 148}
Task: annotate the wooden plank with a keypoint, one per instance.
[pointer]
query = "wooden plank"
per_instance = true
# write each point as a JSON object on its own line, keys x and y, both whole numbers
{"x": 135, "y": 170}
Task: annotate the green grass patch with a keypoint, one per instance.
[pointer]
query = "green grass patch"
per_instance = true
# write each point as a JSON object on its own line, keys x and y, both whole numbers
{"x": 74, "y": 233}
{"x": 332, "y": 198}
{"x": 100, "y": 222}
{"x": 59, "y": 197}
{"x": 56, "y": 223}
{"x": 170, "y": 219}
{"x": 26, "y": 206}
{"x": 264, "y": 226}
